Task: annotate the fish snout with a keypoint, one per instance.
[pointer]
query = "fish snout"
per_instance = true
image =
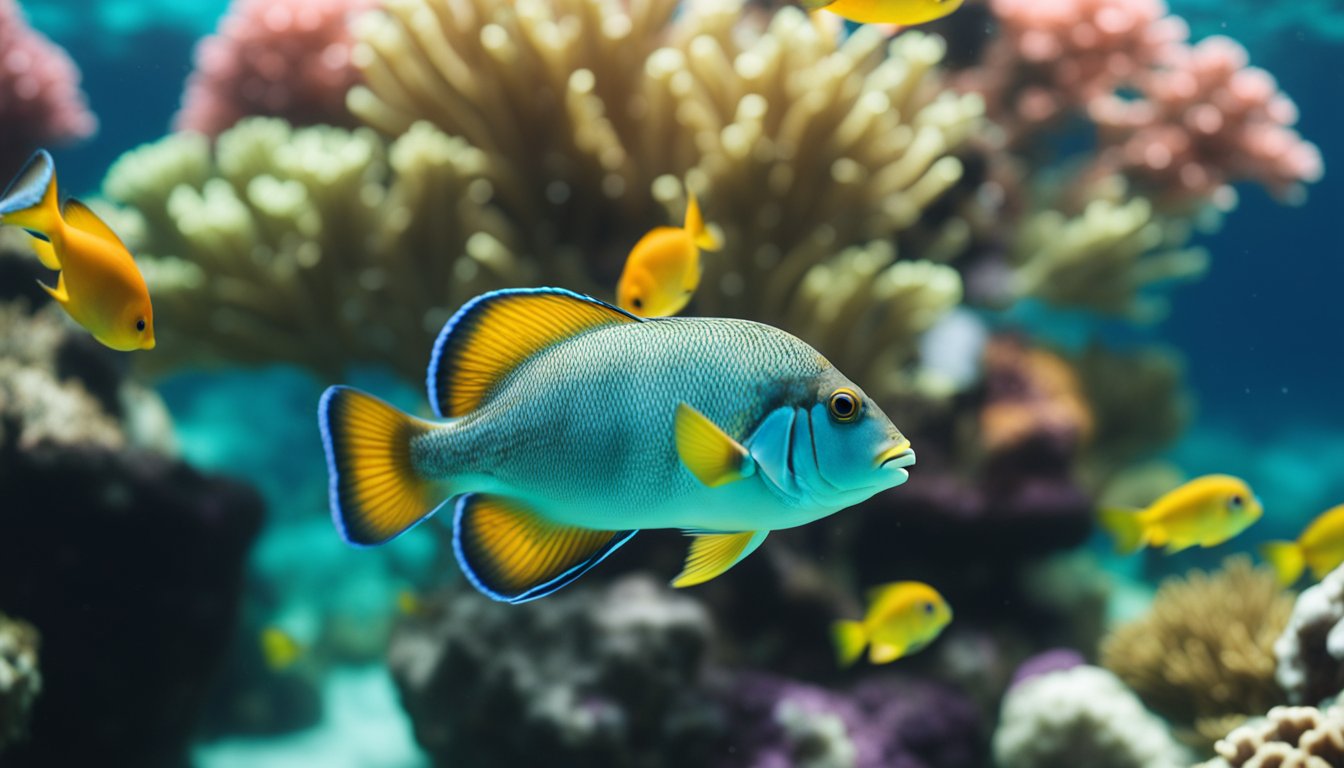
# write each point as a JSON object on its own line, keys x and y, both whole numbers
{"x": 898, "y": 456}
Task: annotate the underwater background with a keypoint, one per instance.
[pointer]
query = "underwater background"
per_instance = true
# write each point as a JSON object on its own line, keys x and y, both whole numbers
{"x": 979, "y": 220}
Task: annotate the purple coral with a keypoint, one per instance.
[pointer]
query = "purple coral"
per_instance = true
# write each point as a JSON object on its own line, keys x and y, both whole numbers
{"x": 40, "y": 100}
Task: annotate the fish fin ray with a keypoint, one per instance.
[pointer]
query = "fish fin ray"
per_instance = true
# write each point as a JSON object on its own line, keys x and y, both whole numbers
{"x": 1125, "y": 527}
{"x": 30, "y": 199}
{"x": 59, "y": 293}
{"x": 695, "y": 226}
{"x": 514, "y": 555}
{"x": 850, "y": 640}
{"x": 376, "y": 493}
{"x": 881, "y": 653}
{"x": 712, "y": 554}
{"x": 707, "y": 451}
{"x": 1287, "y": 558}
{"x": 46, "y": 252}
{"x": 82, "y": 217}
{"x": 491, "y": 335}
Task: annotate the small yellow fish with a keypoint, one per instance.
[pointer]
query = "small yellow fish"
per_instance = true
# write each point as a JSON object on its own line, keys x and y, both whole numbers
{"x": 279, "y": 648}
{"x": 663, "y": 269}
{"x": 99, "y": 285}
{"x": 1321, "y": 546}
{"x": 902, "y": 618}
{"x": 903, "y": 12}
{"x": 1204, "y": 512}
{"x": 409, "y": 603}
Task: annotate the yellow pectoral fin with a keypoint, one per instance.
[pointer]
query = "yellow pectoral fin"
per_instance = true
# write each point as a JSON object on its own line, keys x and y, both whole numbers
{"x": 713, "y": 553}
{"x": 885, "y": 654}
{"x": 512, "y": 554}
{"x": 711, "y": 455}
{"x": 58, "y": 293}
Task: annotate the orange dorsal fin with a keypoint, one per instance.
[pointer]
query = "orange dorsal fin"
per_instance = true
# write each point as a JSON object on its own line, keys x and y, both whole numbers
{"x": 81, "y": 217}
{"x": 495, "y": 333}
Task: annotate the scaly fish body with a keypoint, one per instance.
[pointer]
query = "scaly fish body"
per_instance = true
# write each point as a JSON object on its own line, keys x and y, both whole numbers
{"x": 903, "y": 12}
{"x": 99, "y": 285}
{"x": 1320, "y": 548}
{"x": 571, "y": 425}
{"x": 902, "y": 618}
{"x": 1204, "y": 512}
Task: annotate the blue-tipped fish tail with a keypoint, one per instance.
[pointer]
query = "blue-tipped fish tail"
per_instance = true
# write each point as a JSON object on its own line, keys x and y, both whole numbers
{"x": 571, "y": 425}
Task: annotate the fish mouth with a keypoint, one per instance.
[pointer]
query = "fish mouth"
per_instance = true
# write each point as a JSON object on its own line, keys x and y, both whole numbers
{"x": 899, "y": 456}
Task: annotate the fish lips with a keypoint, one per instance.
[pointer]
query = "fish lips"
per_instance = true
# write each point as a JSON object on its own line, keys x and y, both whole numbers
{"x": 896, "y": 459}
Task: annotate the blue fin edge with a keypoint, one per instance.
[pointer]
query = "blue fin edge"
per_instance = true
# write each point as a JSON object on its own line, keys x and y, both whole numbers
{"x": 31, "y": 193}
{"x": 541, "y": 590}
{"x": 334, "y": 473}
{"x": 441, "y": 343}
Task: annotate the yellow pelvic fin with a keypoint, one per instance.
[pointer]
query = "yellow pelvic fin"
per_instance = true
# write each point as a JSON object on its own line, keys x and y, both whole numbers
{"x": 495, "y": 333}
{"x": 81, "y": 217}
{"x": 376, "y": 492}
{"x": 707, "y": 451}
{"x": 713, "y": 553}
{"x": 46, "y": 252}
{"x": 849, "y": 640}
{"x": 885, "y": 654}
{"x": 513, "y": 554}
{"x": 1287, "y": 558}
{"x": 58, "y": 293}
{"x": 1125, "y": 527}
{"x": 30, "y": 199}
{"x": 695, "y": 225}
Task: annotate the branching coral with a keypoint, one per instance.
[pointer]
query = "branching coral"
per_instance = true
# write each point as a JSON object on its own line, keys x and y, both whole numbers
{"x": 1204, "y": 650}
{"x": 310, "y": 245}
{"x": 1311, "y": 649}
{"x": 281, "y": 58}
{"x": 1292, "y": 737}
{"x": 40, "y": 100}
{"x": 20, "y": 678}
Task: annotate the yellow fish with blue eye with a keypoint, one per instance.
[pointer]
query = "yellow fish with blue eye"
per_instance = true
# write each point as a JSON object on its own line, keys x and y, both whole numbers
{"x": 566, "y": 425}
{"x": 902, "y": 618}
{"x": 1204, "y": 512}
{"x": 663, "y": 269}
{"x": 99, "y": 285}
{"x": 1320, "y": 547}
{"x": 902, "y": 12}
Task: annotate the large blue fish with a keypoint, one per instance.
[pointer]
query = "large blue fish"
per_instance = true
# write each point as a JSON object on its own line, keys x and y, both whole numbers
{"x": 571, "y": 424}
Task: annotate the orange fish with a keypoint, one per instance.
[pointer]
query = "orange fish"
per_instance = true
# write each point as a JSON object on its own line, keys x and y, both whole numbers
{"x": 99, "y": 285}
{"x": 663, "y": 269}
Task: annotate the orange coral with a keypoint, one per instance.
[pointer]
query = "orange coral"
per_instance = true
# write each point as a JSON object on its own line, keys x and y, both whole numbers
{"x": 1032, "y": 394}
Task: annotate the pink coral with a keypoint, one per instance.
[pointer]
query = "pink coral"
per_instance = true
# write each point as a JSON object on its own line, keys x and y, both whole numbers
{"x": 283, "y": 58}
{"x": 1205, "y": 119}
{"x": 40, "y": 100}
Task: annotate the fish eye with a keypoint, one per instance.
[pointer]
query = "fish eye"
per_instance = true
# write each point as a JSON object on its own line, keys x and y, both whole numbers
{"x": 844, "y": 405}
{"x": 928, "y": 607}
{"x": 1236, "y": 502}
{"x": 638, "y": 302}
{"x": 140, "y": 325}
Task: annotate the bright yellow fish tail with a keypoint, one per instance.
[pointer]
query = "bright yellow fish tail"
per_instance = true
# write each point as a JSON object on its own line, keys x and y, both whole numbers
{"x": 1287, "y": 558}
{"x": 849, "y": 640}
{"x": 30, "y": 201}
{"x": 376, "y": 492}
{"x": 1125, "y": 527}
{"x": 695, "y": 225}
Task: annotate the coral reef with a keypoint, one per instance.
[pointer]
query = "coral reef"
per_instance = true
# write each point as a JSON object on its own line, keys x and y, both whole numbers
{"x": 1203, "y": 655}
{"x": 597, "y": 676}
{"x": 1047, "y": 662}
{"x": 1310, "y": 651}
{"x": 1287, "y": 736}
{"x": 1081, "y": 716}
{"x": 286, "y": 58}
{"x": 40, "y": 100}
{"x": 141, "y": 553}
{"x": 881, "y": 722}
{"x": 1031, "y": 396}
{"x": 20, "y": 678}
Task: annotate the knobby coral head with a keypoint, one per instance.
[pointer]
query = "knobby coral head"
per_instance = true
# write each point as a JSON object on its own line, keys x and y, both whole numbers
{"x": 40, "y": 100}
{"x": 281, "y": 58}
